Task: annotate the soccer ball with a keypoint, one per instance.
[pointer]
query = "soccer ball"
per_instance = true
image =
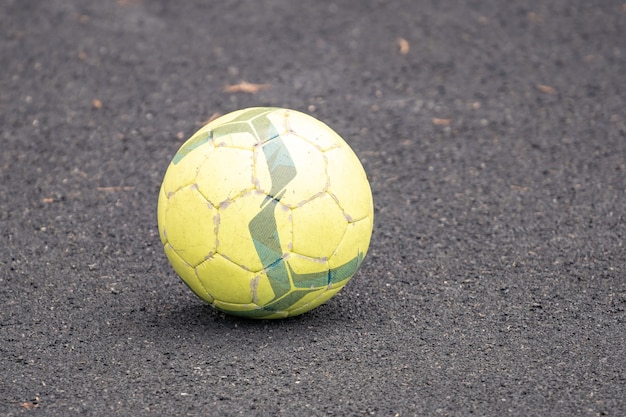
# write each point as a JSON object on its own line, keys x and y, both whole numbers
{"x": 265, "y": 213}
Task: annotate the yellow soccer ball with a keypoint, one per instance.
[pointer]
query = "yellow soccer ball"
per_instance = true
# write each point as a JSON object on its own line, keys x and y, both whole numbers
{"x": 265, "y": 213}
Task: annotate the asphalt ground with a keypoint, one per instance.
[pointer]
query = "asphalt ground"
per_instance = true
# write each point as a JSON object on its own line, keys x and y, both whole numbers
{"x": 494, "y": 137}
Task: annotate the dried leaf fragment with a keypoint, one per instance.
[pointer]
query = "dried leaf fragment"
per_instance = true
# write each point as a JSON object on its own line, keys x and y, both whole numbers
{"x": 546, "y": 89}
{"x": 441, "y": 122}
{"x": 403, "y": 45}
{"x": 29, "y": 405}
{"x": 246, "y": 87}
{"x": 519, "y": 188}
{"x": 535, "y": 18}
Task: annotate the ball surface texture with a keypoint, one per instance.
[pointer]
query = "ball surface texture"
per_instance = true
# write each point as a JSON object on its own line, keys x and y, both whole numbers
{"x": 265, "y": 213}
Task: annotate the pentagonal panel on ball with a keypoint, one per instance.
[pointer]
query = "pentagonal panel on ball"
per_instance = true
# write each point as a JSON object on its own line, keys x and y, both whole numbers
{"x": 225, "y": 280}
{"x": 187, "y": 274}
{"x": 307, "y": 272}
{"x": 268, "y": 122}
{"x": 351, "y": 250}
{"x": 290, "y": 169}
{"x": 189, "y": 225}
{"x": 348, "y": 183}
{"x": 184, "y": 166}
{"x": 312, "y": 130}
{"x": 254, "y": 231}
{"x": 318, "y": 227}
{"x": 225, "y": 174}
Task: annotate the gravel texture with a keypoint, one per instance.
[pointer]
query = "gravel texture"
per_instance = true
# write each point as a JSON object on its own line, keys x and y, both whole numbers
{"x": 494, "y": 137}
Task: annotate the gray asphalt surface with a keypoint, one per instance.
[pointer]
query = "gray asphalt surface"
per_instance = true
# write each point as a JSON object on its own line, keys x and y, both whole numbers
{"x": 494, "y": 136}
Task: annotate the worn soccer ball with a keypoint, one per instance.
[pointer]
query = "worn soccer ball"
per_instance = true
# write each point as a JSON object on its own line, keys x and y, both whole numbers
{"x": 265, "y": 213}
